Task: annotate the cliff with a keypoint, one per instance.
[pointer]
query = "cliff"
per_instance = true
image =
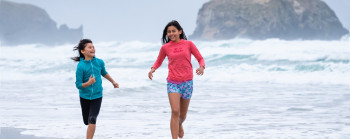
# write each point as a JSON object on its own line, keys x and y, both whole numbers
{"x": 263, "y": 19}
{"x": 28, "y": 24}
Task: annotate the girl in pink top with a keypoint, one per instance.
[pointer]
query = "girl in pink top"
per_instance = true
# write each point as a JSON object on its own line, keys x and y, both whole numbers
{"x": 180, "y": 85}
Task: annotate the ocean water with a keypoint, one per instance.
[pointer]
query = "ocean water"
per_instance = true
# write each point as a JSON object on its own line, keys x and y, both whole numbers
{"x": 250, "y": 89}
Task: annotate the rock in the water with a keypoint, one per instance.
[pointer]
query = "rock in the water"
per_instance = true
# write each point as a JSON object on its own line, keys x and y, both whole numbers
{"x": 263, "y": 19}
{"x": 28, "y": 24}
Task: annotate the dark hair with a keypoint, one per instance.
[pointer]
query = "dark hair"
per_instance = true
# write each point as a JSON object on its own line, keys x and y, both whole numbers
{"x": 79, "y": 47}
{"x": 176, "y": 24}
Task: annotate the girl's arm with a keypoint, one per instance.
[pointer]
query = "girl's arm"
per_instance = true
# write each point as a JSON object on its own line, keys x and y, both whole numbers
{"x": 79, "y": 79}
{"x": 150, "y": 73}
{"x": 105, "y": 74}
{"x": 109, "y": 78}
{"x": 158, "y": 63}
{"x": 200, "y": 59}
{"x": 89, "y": 82}
{"x": 160, "y": 59}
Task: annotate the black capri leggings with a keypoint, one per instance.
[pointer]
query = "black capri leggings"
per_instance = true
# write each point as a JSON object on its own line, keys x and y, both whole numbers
{"x": 90, "y": 110}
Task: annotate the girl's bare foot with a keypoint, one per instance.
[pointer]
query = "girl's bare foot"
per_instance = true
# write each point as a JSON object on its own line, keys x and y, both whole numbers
{"x": 181, "y": 131}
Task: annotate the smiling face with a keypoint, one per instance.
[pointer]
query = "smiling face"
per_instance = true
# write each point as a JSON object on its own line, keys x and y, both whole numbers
{"x": 174, "y": 34}
{"x": 89, "y": 51}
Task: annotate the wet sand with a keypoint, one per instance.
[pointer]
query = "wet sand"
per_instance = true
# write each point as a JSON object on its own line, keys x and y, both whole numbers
{"x": 15, "y": 133}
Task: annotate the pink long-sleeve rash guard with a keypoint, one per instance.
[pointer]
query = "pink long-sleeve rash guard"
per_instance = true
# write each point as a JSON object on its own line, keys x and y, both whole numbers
{"x": 179, "y": 56}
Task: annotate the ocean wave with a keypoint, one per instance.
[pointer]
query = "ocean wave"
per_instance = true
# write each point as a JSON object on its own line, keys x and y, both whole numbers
{"x": 255, "y": 61}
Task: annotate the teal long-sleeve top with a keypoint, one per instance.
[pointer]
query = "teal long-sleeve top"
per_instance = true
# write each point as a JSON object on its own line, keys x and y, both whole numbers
{"x": 86, "y": 68}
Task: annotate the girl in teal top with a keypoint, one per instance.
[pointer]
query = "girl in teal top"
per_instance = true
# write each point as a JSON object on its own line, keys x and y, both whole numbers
{"x": 89, "y": 82}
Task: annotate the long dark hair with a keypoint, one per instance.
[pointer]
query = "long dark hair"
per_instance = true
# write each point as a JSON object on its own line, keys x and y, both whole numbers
{"x": 79, "y": 47}
{"x": 176, "y": 24}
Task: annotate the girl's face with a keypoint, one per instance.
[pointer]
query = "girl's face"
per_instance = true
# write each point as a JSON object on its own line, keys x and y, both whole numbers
{"x": 174, "y": 34}
{"x": 89, "y": 51}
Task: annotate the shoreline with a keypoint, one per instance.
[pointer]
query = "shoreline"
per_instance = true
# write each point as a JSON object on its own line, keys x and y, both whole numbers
{"x": 15, "y": 133}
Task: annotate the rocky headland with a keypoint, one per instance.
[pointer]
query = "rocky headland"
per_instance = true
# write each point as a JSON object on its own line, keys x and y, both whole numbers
{"x": 29, "y": 24}
{"x": 264, "y": 19}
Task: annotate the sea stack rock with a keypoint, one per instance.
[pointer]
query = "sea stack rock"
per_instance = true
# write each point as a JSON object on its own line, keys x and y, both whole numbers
{"x": 263, "y": 19}
{"x": 28, "y": 24}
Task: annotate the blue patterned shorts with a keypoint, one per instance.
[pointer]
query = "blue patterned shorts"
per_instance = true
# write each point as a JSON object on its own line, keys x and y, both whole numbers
{"x": 185, "y": 89}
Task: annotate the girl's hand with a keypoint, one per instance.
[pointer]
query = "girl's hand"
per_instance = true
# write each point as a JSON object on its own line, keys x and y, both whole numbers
{"x": 200, "y": 71}
{"x": 91, "y": 80}
{"x": 150, "y": 73}
{"x": 115, "y": 84}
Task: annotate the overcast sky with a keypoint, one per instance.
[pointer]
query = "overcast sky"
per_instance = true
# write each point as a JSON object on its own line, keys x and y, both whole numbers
{"x": 144, "y": 20}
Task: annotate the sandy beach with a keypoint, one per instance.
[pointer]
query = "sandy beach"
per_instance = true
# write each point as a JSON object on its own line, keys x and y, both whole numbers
{"x": 15, "y": 133}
